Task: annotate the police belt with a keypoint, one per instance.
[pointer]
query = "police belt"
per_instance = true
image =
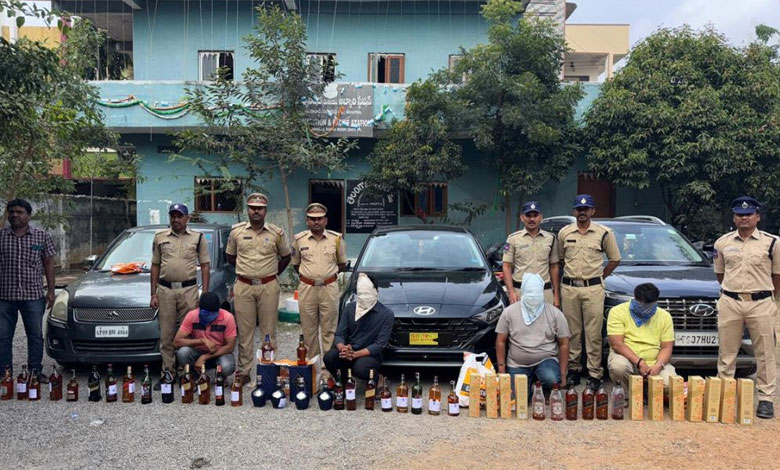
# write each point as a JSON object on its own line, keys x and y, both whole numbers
{"x": 748, "y": 296}
{"x": 177, "y": 285}
{"x": 255, "y": 282}
{"x": 319, "y": 282}
{"x": 581, "y": 282}
{"x": 518, "y": 285}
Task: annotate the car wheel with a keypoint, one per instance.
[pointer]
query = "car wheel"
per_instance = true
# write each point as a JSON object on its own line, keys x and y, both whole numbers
{"x": 745, "y": 372}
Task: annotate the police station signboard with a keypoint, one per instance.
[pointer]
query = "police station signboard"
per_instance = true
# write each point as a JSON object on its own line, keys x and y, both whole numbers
{"x": 343, "y": 110}
{"x": 366, "y": 212}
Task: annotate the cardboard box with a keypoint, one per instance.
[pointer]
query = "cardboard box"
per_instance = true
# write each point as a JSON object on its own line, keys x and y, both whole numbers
{"x": 505, "y": 391}
{"x": 728, "y": 401}
{"x": 745, "y": 401}
{"x": 474, "y": 393}
{"x": 712, "y": 399}
{"x": 676, "y": 398}
{"x": 491, "y": 395}
{"x": 695, "y": 402}
{"x": 635, "y": 395}
{"x": 655, "y": 398}
{"x": 521, "y": 396}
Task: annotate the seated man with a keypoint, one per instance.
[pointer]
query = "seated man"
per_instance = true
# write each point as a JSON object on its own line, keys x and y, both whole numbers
{"x": 207, "y": 335}
{"x": 363, "y": 332}
{"x": 538, "y": 336}
{"x": 641, "y": 337}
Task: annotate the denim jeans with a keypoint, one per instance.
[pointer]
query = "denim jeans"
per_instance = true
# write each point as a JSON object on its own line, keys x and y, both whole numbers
{"x": 548, "y": 372}
{"x": 32, "y": 316}
{"x": 188, "y": 355}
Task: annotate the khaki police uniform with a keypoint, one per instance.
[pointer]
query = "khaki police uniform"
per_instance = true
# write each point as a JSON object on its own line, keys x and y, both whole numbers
{"x": 178, "y": 256}
{"x": 532, "y": 254}
{"x": 747, "y": 269}
{"x": 256, "y": 291}
{"x": 582, "y": 290}
{"x": 318, "y": 262}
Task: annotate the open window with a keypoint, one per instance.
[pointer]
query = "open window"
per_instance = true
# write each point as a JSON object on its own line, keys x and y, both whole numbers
{"x": 386, "y": 68}
{"x": 210, "y": 63}
{"x": 329, "y": 193}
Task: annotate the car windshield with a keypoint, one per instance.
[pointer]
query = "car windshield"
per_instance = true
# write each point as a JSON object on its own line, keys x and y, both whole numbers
{"x": 654, "y": 244}
{"x": 136, "y": 247}
{"x": 422, "y": 250}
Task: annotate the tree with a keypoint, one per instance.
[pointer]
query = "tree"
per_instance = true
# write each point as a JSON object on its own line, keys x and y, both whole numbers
{"x": 258, "y": 126}
{"x": 695, "y": 115}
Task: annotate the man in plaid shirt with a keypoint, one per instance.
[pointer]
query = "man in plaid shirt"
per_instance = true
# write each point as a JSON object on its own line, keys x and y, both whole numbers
{"x": 26, "y": 253}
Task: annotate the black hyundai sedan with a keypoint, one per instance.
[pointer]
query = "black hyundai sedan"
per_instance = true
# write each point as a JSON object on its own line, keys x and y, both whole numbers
{"x": 438, "y": 283}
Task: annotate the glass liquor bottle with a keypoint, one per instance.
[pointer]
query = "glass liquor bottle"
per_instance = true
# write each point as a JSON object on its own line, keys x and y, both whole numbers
{"x": 267, "y": 351}
{"x": 386, "y": 396}
{"x": 111, "y": 391}
{"x": 602, "y": 403}
{"x": 55, "y": 385}
{"x": 146, "y": 387}
{"x": 417, "y": 395}
{"x": 302, "y": 396}
{"x": 434, "y": 397}
{"x": 34, "y": 388}
{"x": 301, "y": 352}
{"x": 588, "y": 403}
{"x": 370, "y": 390}
{"x": 537, "y": 402}
{"x": 572, "y": 403}
{"x": 7, "y": 385}
{"x": 219, "y": 388}
{"x": 325, "y": 397}
{"x": 93, "y": 384}
{"x": 279, "y": 398}
{"x": 557, "y": 410}
{"x": 236, "y": 391}
{"x": 166, "y": 386}
{"x": 338, "y": 393}
{"x": 258, "y": 394}
{"x": 204, "y": 386}
{"x": 128, "y": 386}
{"x": 187, "y": 384}
{"x": 349, "y": 392}
{"x": 73, "y": 387}
{"x": 402, "y": 396}
{"x": 21, "y": 384}
{"x": 453, "y": 402}
{"x": 618, "y": 401}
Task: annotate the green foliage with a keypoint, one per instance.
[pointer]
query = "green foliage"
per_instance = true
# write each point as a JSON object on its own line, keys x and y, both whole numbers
{"x": 257, "y": 129}
{"x": 89, "y": 56}
{"x": 695, "y": 115}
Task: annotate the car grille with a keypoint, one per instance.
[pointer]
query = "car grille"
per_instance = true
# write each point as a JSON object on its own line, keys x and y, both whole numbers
{"x": 684, "y": 320}
{"x": 116, "y": 315}
{"x": 460, "y": 331}
{"x": 118, "y": 346}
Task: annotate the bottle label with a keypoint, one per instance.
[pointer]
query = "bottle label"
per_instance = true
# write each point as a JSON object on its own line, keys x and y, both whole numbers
{"x": 71, "y": 394}
{"x": 234, "y": 396}
{"x": 401, "y": 402}
{"x": 49, "y": 386}
{"x": 166, "y": 388}
{"x": 539, "y": 408}
{"x": 268, "y": 356}
{"x": 282, "y": 402}
{"x": 371, "y": 392}
{"x": 387, "y": 403}
{"x": 146, "y": 390}
{"x": 416, "y": 402}
{"x": 33, "y": 394}
{"x": 182, "y": 391}
{"x": 111, "y": 390}
{"x": 131, "y": 388}
{"x": 454, "y": 408}
{"x": 324, "y": 396}
{"x": 21, "y": 388}
{"x": 557, "y": 409}
{"x": 186, "y": 386}
{"x": 434, "y": 405}
{"x": 350, "y": 394}
{"x": 218, "y": 390}
{"x": 3, "y": 390}
{"x": 203, "y": 387}
{"x": 94, "y": 386}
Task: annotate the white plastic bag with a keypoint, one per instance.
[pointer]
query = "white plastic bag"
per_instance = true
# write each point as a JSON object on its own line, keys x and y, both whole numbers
{"x": 472, "y": 364}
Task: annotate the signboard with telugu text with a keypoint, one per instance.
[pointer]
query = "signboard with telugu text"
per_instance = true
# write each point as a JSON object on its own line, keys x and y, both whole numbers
{"x": 343, "y": 110}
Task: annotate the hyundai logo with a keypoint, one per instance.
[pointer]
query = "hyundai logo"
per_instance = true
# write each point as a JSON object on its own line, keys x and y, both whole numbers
{"x": 701, "y": 310}
{"x": 113, "y": 314}
{"x": 424, "y": 310}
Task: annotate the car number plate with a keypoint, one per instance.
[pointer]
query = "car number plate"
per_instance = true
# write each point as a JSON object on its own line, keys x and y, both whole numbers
{"x": 704, "y": 338}
{"x": 113, "y": 331}
{"x": 423, "y": 339}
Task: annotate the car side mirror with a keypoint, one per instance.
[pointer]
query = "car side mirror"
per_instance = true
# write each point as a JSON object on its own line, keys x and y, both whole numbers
{"x": 89, "y": 262}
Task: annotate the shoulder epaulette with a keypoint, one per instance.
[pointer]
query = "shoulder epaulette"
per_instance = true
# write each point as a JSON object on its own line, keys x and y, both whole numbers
{"x": 333, "y": 232}
{"x": 300, "y": 235}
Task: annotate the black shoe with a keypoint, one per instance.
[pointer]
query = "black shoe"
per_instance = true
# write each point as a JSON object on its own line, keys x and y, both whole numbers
{"x": 766, "y": 409}
{"x": 42, "y": 378}
{"x": 594, "y": 384}
{"x": 572, "y": 378}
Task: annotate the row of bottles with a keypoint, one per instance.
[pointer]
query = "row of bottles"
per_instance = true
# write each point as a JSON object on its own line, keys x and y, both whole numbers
{"x": 594, "y": 403}
{"x": 28, "y": 387}
{"x": 268, "y": 352}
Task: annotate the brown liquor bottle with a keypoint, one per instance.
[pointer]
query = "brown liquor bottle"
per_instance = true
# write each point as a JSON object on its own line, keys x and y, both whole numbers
{"x": 111, "y": 391}
{"x": 572, "y": 403}
{"x": 21, "y": 384}
{"x": 301, "y": 352}
{"x": 370, "y": 390}
{"x": 402, "y": 397}
{"x": 219, "y": 387}
{"x": 349, "y": 392}
{"x": 267, "y": 351}
{"x": 34, "y": 389}
{"x": 386, "y": 397}
{"x": 588, "y": 403}
{"x": 537, "y": 402}
{"x": 434, "y": 397}
{"x": 204, "y": 390}
{"x": 55, "y": 385}
{"x": 7, "y": 385}
{"x": 187, "y": 385}
{"x": 146, "y": 387}
{"x": 73, "y": 387}
{"x": 236, "y": 391}
{"x": 128, "y": 386}
{"x": 602, "y": 403}
{"x": 453, "y": 402}
{"x": 557, "y": 408}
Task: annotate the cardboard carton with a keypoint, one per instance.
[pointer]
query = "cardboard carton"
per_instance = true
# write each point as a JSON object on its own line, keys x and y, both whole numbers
{"x": 505, "y": 388}
{"x": 695, "y": 405}
{"x": 655, "y": 398}
{"x": 635, "y": 395}
{"x": 745, "y": 401}
{"x": 521, "y": 396}
{"x": 676, "y": 398}
{"x": 728, "y": 401}
{"x": 491, "y": 395}
{"x": 474, "y": 392}
{"x": 712, "y": 389}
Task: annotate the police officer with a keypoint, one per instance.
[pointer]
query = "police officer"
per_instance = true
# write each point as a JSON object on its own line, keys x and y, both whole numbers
{"x": 176, "y": 252}
{"x": 534, "y": 251}
{"x": 259, "y": 251}
{"x": 582, "y": 246}
{"x": 318, "y": 256}
{"x": 747, "y": 264}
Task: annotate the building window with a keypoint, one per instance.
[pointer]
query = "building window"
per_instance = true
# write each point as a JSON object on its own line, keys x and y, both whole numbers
{"x": 218, "y": 194}
{"x": 386, "y": 68}
{"x": 326, "y": 62}
{"x": 210, "y": 63}
{"x": 431, "y": 202}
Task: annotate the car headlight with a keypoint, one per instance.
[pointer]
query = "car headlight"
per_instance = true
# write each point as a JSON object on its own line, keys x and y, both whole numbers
{"x": 59, "y": 311}
{"x": 618, "y": 297}
{"x": 490, "y": 315}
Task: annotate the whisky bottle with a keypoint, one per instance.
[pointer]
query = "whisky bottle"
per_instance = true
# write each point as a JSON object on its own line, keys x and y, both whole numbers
{"x": 588, "y": 403}
{"x": 146, "y": 387}
{"x": 267, "y": 351}
{"x": 258, "y": 394}
{"x": 370, "y": 390}
{"x": 602, "y": 403}
{"x": 302, "y": 395}
{"x": 187, "y": 384}
{"x": 279, "y": 398}
{"x": 434, "y": 397}
{"x": 618, "y": 401}
{"x": 417, "y": 395}
{"x": 402, "y": 397}
{"x": 325, "y": 397}
{"x": 386, "y": 396}
{"x": 219, "y": 388}
{"x": 572, "y": 403}
{"x": 21, "y": 384}
{"x": 34, "y": 388}
{"x": 557, "y": 409}
{"x": 111, "y": 391}
{"x": 73, "y": 387}
{"x": 204, "y": 386}
{"x": 349, "y": 391}
{"x": 453, "y": 402}
{"x": 537, "y": 402}
{"x": 128, "y": 386}
{"x": 7, "y": 385}
{"x": 301, "y": 352}
{"x": 55, "y": 385}
{"x": 166, "y": 386}
{"x": 338, "y": 392}
{"x": 93, "y": 384}
{"x": 236, "y": 391}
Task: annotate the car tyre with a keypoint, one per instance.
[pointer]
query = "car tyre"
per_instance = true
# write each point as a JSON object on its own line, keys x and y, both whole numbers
{"x": 745, "y": 372}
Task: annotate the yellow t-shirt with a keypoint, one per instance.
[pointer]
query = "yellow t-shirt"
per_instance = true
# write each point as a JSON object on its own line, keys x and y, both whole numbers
{"x": 644, "y": 340}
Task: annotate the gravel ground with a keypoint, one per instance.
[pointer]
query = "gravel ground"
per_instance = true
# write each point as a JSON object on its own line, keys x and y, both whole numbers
{"x": 47, "y": 435}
